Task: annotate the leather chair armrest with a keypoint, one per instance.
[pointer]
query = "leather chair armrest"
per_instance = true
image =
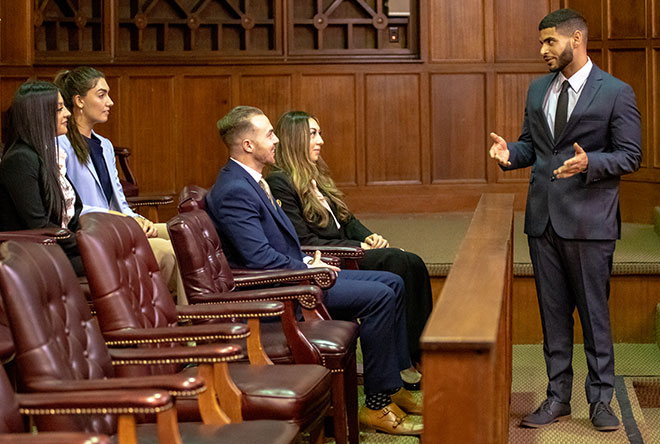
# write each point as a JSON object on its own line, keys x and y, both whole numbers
{"x": 336, "y": 251}
{"x": 94, "y": 402}
{"x": 175, "y": 385}
{"x": 323, "y": 277}
{"x": 42, "y": 235}
{"x": 331, "y": 260}
{"x": 200, "y": 354}
{"x": 222, "y": 310}
{"x": 210, "y": 332}
{"x": 53, "y": 438}
{"x": 309, "y": 296}
{"x": 149, "y": 200}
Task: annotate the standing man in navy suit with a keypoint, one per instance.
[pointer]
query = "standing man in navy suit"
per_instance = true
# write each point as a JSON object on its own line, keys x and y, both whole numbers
{"x": 255, "y": 233}
{"x": 580, "y": 133}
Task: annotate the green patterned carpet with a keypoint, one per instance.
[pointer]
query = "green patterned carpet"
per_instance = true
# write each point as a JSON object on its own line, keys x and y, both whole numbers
{"x": 632, "y": 361}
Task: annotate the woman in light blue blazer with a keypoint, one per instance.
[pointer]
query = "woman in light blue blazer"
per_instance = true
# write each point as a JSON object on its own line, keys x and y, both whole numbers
{"x": 91, "y": 161}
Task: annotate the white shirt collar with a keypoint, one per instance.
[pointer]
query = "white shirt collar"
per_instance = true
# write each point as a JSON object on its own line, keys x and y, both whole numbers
{"x": 252, "y": 172}
{"x": 578, "y": 79}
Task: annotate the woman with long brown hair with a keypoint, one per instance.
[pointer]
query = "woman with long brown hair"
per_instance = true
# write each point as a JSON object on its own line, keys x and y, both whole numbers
{"x": 301, "y": 182}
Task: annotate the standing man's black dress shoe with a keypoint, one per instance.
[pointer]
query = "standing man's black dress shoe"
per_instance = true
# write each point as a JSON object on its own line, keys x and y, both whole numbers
{"x": 549, "y": 411}
{"x": 602, "y": 417}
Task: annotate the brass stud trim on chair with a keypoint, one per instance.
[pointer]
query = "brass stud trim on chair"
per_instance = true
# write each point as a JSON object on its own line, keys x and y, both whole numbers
{"x": 231, "y": 316}
{"x": 181, "y": 339}
{"x": 95, "y": 411}
{"x": 166, "y": 361}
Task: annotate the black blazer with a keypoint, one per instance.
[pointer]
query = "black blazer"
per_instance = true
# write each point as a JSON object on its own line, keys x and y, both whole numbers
{"x": 22, "y": 197}
{"x": 350, "y": 233}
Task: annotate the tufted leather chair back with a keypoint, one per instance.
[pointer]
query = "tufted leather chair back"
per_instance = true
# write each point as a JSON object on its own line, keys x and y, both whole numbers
{"x": 123, "y": 274}
{"x": 202, "y": 263}
{"x": 192, "y": 197}
{"x": 10, "y": 419}
{"x": 55, "y": 335}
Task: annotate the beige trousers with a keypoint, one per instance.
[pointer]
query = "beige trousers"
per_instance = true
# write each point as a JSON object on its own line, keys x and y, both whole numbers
{"x": 164, "y": 253}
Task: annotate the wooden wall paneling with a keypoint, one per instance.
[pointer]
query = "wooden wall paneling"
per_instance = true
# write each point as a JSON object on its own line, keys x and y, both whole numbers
{"x": 17, "y": 38}
{"x": 152, "y": 113}
{"x": 393, "y": 145}
{"x": 8, "y": 86}
{"x": 448, "y": 20}
{"x": 332, "y": 99}
{"x": 628, "y": 25}
{"x": 270, "y": 93}
{"x": 458, "y": 125}
{"x": 511, "y": 95}
{"x": 593, "y": 12}
{"x": 654, "y": 152}
{"x": 655, "y": 19}
{"x": 630, "y": 65}
{"x": 205, "y": 100}
{"x": 516, "y": 29}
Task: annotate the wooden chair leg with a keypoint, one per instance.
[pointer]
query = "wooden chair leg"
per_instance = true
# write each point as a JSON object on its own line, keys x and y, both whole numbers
{"x": 339, "y": 407}
{"x": 351, "y": 397}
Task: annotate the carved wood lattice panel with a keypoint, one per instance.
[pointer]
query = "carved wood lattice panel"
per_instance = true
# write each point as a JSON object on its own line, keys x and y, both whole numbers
{"x": 222, "y": 26}
{"x": 337, "y": 27}
{"x": 68, "y": 25}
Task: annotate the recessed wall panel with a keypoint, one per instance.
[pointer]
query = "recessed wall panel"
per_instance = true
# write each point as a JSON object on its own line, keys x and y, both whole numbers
{"x": 516, "y": 29}
{"x": 202, "y": 152}
{"x": 152, "y": 131}
{"x": 270, "y": 93}
{"x": 629, "y": 65}
{"x": 331, "y": 98}
{"x": 457, "y": 30}
{"x": 511, "y": 95}
{"x": 393, "y": 140}
{"x": 458, "y": 128}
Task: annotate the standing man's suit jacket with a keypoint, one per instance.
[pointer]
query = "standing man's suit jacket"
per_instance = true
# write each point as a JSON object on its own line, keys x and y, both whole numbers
{"x": 254, "y": 234}
{"x": 606, "y": 124}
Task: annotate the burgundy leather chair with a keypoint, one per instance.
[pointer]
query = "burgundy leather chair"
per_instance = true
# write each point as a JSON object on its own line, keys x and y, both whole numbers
{"x": 59, "y": 349}
{"x": 207, "y": 277}
{"x": 131, "y": 300}
{"x": 12, "y": 429}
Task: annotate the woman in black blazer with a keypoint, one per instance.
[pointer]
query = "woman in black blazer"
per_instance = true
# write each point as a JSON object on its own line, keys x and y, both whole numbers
{"x": 302, "y": 185}
{"x": 34, "y": 189}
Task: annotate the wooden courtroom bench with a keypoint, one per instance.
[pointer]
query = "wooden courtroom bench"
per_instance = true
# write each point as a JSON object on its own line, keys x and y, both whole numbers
{"x": 466, "y": 345}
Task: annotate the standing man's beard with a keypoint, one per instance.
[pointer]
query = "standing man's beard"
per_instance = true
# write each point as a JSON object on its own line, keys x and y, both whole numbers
{"x": 564, "y": 59}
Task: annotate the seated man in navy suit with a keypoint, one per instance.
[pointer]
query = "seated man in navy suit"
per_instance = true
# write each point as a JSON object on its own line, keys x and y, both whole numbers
{"x": 256, "y": 234}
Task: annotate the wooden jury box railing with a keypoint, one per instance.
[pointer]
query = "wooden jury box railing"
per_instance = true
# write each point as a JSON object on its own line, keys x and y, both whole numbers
{"x": 466, "y": 344}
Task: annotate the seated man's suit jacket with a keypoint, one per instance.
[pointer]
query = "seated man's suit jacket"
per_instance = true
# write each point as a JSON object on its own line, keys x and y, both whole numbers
{"x": 243, "y": 215}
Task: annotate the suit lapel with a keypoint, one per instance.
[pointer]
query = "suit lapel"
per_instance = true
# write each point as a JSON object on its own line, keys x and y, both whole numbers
{"x": 537, "y": 104}
{"x": 277, "y": 213}
{"x": 589, "y": 92}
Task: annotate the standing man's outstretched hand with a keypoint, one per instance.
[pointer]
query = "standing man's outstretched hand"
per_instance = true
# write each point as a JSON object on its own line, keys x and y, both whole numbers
{"x": 574, "y": 165}
{"x": 499, "y": 150}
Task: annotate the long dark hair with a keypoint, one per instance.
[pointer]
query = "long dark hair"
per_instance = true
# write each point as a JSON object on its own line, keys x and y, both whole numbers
{"x": 77, "y": 82}
{"x": 33, "y": 121}
{"x": 292, "y": 157}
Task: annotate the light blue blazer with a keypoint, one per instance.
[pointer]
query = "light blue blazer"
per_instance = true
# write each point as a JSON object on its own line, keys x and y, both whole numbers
{"x": 86, "y": 181}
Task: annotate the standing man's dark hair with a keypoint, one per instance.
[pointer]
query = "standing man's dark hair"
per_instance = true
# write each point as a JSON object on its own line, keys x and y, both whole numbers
{"x": 566, "y": 21}
{"x": 581, "y": 132}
